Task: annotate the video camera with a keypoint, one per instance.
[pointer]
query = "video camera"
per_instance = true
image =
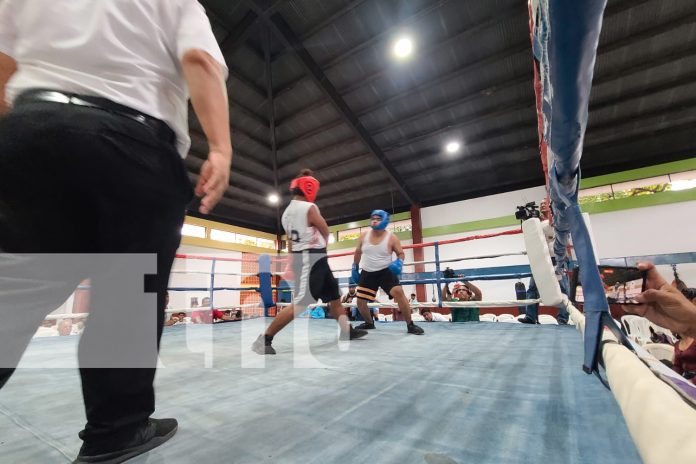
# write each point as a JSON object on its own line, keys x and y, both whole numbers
{"x": 528, "y": 211}
{"x": 448, "y": 273}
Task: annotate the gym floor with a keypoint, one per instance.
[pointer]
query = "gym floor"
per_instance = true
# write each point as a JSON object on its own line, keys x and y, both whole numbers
{"x": 463, "y": 393}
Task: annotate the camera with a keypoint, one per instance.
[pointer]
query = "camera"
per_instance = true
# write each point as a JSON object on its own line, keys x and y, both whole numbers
{"x": 448, "y": 273}
{"x": 528, "y": 211}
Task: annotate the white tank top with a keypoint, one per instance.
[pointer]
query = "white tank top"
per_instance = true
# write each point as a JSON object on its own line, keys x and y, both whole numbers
{"x": 376, "y": 257}
{"x": 296, "y": 225}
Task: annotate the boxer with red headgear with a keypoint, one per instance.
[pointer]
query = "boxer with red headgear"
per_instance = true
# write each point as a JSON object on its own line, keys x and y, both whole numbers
{"x": 305, "y": 185}
{"x": 307, "y": 233}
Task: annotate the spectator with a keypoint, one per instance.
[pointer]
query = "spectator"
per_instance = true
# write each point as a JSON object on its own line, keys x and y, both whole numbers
{"x": 413, "y": 299}
{"x": 463, "y": 291}
{"x": 48, "y": 328}
{"x": 684, "y": 361}
{"x": 205, "y": 314}
{"x": 531, "y": 315}
{"x": 173, "y": 319}
{"x": 224, "y": 316}
{"x": 65, "y": 327}
{"x": 430, "y": 316}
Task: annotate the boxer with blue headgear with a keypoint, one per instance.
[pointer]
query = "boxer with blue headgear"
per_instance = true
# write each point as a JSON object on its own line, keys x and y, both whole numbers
{"x": 374, "y": 254}
{"x": 379, "y": 219}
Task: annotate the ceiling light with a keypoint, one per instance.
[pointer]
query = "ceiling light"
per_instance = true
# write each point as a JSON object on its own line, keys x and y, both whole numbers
{"x": 403, "y": 47}
{"x": 452, "y": 147}
{"x": 273, "y": 198}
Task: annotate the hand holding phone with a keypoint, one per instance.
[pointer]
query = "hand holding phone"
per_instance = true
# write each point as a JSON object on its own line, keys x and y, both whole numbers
{"x": 621, "y": 284}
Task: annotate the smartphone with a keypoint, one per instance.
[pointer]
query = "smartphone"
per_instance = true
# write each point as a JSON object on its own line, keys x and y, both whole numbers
{"x": 621, "y": 284}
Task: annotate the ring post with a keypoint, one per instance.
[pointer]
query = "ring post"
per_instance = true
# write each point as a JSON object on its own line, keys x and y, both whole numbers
{"x": 265, "y": 284}
{"x": 437, "y": 274}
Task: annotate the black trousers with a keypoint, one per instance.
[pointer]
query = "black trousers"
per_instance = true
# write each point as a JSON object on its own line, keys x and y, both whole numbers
{"x": 84, "y": 180}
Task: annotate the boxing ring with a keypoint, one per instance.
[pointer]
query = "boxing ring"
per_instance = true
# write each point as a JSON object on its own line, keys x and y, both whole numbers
{"x": 464, "y": 392}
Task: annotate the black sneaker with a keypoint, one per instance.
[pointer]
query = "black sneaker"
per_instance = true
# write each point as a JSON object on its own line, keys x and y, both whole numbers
{"x": 353, "y": 334}
{"x": 527, "y": 320}
{"x": 150, "y": 436}
{"x": 414, "y": 329}
{"x": 262, "y": 346}
{"x": 365, "y": 326}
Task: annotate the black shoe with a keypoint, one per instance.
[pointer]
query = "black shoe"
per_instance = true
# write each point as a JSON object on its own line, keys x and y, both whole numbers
{"x": 150, "y": 436}
{"x": 527, "y": 320}
{"x": 262, "y": 345}
{"x": 562, "y": 322}
{"x": 365, "y": 326}
{"x": 353, "y": 334}
{"x": 414, "y": 329}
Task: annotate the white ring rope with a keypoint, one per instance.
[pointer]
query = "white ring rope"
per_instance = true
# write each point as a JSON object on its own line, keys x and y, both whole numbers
{"x": 468, "y": 258}
{"x": 659, "y": 421}
{"x": 445, "y": 304}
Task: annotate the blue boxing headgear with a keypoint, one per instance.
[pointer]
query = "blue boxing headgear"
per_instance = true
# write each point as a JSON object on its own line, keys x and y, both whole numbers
{"x": 384, "y": 222}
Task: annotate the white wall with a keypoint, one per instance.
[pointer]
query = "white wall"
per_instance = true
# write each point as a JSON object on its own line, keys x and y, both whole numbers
{"x": 642, "y": 231}
{"x": 480, "y": 208}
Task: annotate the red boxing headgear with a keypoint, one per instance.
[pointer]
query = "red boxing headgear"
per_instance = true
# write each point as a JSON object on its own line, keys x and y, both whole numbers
{"x": 308, "y": 185}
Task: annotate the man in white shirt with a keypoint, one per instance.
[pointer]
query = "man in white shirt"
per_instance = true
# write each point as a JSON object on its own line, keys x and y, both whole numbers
{"x": 308, "y": 234}
{"x": 95, "y": 99}
{"x": 430, "y": 316}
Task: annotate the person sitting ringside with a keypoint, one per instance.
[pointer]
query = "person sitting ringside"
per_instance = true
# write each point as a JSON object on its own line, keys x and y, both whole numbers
{"x": 430, "y": 316}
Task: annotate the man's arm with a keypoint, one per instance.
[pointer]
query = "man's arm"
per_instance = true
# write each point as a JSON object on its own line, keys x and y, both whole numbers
{"x": 206, "y": 84}
{"x": 316, "y": 220}
{"x": 357, "y": 254}
{"x": 396, "y": 247}
{"x": 446, "y": 294}
{"x": 8, "y": 66}
{"x": 478, "y": 296}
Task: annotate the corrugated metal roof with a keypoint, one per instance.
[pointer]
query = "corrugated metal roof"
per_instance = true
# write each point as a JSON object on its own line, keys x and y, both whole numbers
{"x": 365, "y": 119}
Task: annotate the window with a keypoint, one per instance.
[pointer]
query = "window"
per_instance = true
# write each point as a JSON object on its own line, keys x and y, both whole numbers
{"x": 350, "y": 234}
{"x": 245, "y": 240}
{"x": 222, "y": 236}
{"x": 595, "y": 195}
{"x": 682, "y": 181}
{"x": 639, "y": 187}
{"x": 265, "y": 243}
{"x": 401, "y": 226}
{"x": 190, "y": 230}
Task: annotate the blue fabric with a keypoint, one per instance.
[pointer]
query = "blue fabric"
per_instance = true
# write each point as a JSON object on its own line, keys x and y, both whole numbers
{"x": 265, "y": 284}
{"x": 565, "y": 42}
{"x": 355, "y": 274}
{"x": 317, "y": 313}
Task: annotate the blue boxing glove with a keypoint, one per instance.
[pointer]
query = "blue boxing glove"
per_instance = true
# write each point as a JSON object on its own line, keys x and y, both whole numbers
{"x": 396, "y": 266}
{"x": 355, "y": 274}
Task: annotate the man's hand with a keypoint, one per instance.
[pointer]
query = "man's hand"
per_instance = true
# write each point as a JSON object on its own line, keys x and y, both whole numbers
{"x": 663, "y": 304}
{"x": 214, "y": 179}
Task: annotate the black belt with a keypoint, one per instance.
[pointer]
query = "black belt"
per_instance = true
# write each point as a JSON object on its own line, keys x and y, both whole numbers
{"x": 163, "y": 131}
